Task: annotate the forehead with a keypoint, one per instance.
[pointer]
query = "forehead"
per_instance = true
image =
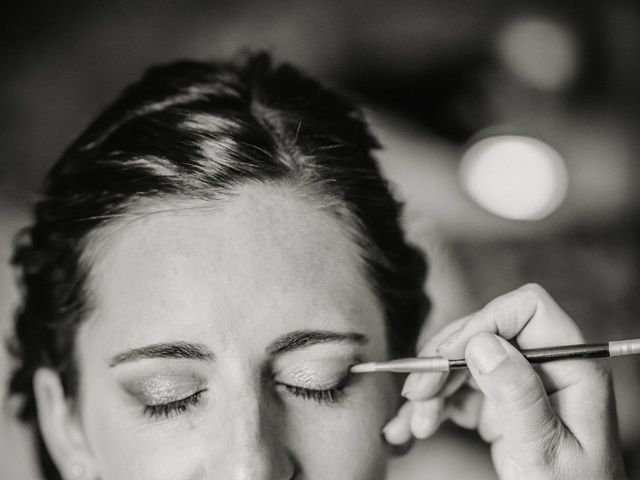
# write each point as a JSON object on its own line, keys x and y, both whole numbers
{"x": 262, "y": 263}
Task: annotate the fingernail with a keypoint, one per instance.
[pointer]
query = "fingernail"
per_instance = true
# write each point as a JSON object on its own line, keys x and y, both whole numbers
{"x": 426, "y": 386}
{"x": 486, "y": 353}
{"x": 410, "y": 384}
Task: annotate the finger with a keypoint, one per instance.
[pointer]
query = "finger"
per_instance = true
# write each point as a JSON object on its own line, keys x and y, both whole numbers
{"x": 530, "y": 315}
{"x": 427, "y": 387}
{"x": 398, "y": 429}
{"x": 464, "y": 408}
{"x": 430, "y": 346}
{"x": 587, "y": 408}
{"x": 456, "y": 380}
{"x": 472, "y": 383}
{"x": 506, "y": 466}
{"x": 427, "y": 417}
{"x": 531, "y": 428}
{"x": 490, "y": 424}
{"x": 421, "y": 386}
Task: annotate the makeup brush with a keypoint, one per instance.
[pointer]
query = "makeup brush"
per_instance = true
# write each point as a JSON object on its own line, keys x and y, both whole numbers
{"x": 534, "y": 355}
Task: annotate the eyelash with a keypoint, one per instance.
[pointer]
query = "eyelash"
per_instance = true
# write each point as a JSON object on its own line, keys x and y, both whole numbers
{"x": 176, "y": 407}
{"x": 327, "y": 396}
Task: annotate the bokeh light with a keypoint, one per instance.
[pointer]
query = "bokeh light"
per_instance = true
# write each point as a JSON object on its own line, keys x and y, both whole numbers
{"x": 515, "y": 177}
{"x": 540, "y": 51}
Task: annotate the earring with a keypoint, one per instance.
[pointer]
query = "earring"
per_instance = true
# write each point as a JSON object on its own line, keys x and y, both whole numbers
{"x": 77, "y": 470}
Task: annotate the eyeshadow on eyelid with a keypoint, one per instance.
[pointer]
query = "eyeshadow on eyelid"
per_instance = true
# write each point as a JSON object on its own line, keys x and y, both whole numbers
{"x": 314, "y": 374}
{"x": 157, "y": 389}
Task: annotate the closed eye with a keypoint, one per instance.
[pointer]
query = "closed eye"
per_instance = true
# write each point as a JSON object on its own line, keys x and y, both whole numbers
{"x": 326, "y": 396}
{"x": 177, "y": 407}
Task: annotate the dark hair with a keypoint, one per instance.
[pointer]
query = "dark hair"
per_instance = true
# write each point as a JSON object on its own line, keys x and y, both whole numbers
{"x": 200, "y": 130}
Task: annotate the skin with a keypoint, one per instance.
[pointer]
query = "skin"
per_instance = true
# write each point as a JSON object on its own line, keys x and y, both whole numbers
{"x": 237, "y": 282}
{"x": 553, "y": 421}
{"x": 232, "y": 279}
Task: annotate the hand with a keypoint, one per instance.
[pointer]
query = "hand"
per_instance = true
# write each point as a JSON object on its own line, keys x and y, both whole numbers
{"x": 553, "y": 421}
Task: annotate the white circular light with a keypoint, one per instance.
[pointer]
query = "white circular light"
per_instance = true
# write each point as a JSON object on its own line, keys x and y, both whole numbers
{"x": 515, "y": 177}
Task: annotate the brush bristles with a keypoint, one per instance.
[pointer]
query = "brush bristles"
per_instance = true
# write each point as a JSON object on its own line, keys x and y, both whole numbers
{"x": 364, "y": 368}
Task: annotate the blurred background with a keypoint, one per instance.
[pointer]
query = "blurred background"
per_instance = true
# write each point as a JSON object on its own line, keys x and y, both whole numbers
{"x": 510, "y": 131}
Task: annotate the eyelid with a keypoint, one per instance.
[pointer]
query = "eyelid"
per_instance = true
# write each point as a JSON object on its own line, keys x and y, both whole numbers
{"x": 313, "y": 388}
{"x": 316, "y": 374}
{"x": 309, "y": 380}
{"x": 151, "y": 388}
{"x": 175, "y": 407}
{"x": 169, "y": 400}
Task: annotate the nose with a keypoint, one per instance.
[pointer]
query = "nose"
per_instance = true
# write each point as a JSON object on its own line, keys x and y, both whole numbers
{"x": 259, "y": 448}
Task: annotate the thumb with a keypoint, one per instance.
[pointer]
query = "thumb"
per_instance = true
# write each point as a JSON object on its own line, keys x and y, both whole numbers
{"x": 531, "y": 429}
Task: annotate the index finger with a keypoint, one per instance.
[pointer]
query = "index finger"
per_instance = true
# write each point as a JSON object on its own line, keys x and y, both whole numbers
{"x": 421, "y": 386}
{"x": 529, "y": 314}
{"x": 531, "y": 317}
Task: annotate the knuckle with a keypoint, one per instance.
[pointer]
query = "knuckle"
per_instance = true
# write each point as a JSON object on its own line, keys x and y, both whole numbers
{"x": 510, "y": 311}
{"x": 535, "y": 290}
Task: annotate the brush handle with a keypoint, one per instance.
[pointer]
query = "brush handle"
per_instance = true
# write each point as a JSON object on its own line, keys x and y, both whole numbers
{"x": 533, "y": 355}
{"x": 565, "y": 352}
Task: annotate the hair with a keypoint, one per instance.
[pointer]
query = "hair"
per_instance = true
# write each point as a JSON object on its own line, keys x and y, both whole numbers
{"x": 201, "y": 130}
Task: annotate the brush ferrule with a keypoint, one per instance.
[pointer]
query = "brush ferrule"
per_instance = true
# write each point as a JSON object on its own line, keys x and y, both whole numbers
{"x": 624, "y": 347}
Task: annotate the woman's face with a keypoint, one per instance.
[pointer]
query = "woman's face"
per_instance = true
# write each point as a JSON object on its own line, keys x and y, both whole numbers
{"x": 220, "y": 345}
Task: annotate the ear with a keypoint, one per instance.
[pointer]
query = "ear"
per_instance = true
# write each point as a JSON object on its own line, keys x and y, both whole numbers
{"x": 61, "y": 427}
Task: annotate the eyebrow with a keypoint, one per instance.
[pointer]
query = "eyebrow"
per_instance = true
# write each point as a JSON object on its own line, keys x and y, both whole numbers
{"x": 196, "y": 351}
{"x": 191, "y": 351}
{"x": 304, "y": 338}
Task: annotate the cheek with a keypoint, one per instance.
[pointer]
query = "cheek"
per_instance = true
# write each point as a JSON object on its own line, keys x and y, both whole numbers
{"x": 344, "y": 441}
{"x": 125, "y": 444}
{"x": 156, "y": 460}
{"x": 338, "y": 442}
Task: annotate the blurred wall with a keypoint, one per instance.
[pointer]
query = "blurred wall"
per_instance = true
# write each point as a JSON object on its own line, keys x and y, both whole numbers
{"x": 435, "y": 75}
